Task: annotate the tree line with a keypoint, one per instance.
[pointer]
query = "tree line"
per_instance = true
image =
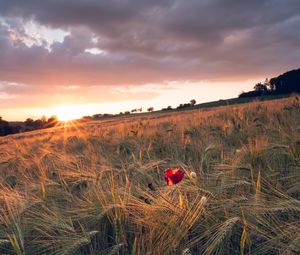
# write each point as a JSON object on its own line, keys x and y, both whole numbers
{"x": 286, "y": 83}
{"x": 7, "y": 128}
{"x": 100, "y": 116}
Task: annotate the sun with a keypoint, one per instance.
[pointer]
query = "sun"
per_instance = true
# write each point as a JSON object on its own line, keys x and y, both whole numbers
{"x": 66, "y": 113}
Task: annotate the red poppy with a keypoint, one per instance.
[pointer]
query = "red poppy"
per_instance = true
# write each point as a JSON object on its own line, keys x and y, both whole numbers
{"x": 173, "y": 175}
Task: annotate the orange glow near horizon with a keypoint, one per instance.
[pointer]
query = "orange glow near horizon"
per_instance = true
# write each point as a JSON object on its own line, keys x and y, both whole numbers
{"x": 177, "y": 93}
{"x": 67, "y": 112}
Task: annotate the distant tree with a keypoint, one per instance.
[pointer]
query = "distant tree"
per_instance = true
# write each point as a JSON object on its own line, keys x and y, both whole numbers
{"x": 38, "y": 124}
{"x": 134, "y": 110}
{"x": 44, "y": 119}
{"x": 140, "y": 109}
{"x": 267, "y": 84}
{"x": 150, "y": 109}
{"x": 52, "y": 118}
{"x": 52, "y": 121}
{"x": 260, "y": 87}
{"x": 167, "y": 109}
{"x": 4, "y": 127}
{"x": 29, "y": 121}
{"x": 97, "y": 116}
{"x": 181, "y": 106}
{"x": 29, "y": 124}
{"x": 86, "y": 118}
{"x": 286, "y": 83}
{"x": 127, "y": 112}
{"x": 193, "y": 102}
{"x": 271, "y": 86}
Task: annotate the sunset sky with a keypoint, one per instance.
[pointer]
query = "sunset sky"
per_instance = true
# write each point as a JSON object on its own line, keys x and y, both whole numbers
{"x": 95, "y": 56}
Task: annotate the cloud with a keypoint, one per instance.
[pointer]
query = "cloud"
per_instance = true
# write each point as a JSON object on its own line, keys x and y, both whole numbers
{"x": 144, "y": 42}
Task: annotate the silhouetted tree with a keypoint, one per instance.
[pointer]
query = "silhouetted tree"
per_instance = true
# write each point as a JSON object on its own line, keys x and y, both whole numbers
{"x": 181, "y": 106}
{"x": 44, "y": 119}
{"x": 38, "y": 124}
{"x": 29, "y": 124}
{"x": 286, "y": 83}
{"x": 52, "y": 121}
{"x": 167, "y": 109}
{"x": 150, "y": 109}
{"x": 97, "y": 116}
{"x": 193, "y": 102}
{"x": 86, "y": 118}
{"x": 261, "y": 89}
{"x": 4, "y": 127}
{"x": 268, "y": 85}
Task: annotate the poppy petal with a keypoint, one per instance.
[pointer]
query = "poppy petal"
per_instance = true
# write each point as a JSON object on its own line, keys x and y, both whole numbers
{"x": 173, "y": 175}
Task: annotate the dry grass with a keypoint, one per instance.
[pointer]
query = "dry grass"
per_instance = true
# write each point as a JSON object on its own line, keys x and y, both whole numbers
{"x": 98, "y": 187}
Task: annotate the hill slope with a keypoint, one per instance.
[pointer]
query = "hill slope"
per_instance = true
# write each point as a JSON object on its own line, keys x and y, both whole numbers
{"x": 98, "y": 187}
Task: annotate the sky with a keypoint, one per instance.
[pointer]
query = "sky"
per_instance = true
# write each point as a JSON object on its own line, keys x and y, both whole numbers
{"x": 94, "y": 56}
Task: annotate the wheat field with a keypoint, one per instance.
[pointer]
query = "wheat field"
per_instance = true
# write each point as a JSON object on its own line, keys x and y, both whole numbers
{"x": 98, "y": 187}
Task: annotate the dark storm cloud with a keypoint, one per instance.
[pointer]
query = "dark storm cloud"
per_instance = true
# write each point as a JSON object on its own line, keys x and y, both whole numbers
{"x": 150, "y": 41}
